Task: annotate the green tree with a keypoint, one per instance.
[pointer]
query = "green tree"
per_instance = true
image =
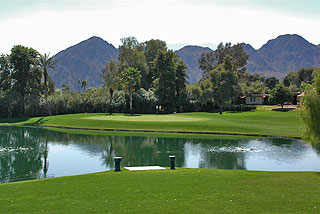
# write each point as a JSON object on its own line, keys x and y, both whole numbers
{"x": 280, "y": 94}
{"x": 79, "y": 83}
{"x": 5, "y": 73}
{"x": 180, "y": 81}
{"x": 26, "y": 75}
{"x": 46, "y": 62}
{"x": 222, "y": 86}
{"x": 65, "y": 89}
{"x": 165, "y": 80}
{"x": 111, "y": 79}
{"x": 131, "y": 55}
{"x": 210, "y": 60}
{"x": 130, "y": 77}
{"x": 305, "y": 74}
{"x": 51, "y": 86}
{"x": 150, "y": 49}
{"x": 111, "y": 76}
{"x": 310, "y": 109}
{"x": 169, "y": 75}
{"x": 84, "y": 85}
{"x": 271, "y": 82}
{"x": 250, "y": 88}
{"x": 292, "y": 79}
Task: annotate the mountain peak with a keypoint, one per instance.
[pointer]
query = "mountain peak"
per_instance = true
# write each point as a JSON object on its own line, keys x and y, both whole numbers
{"x": 83, "y": 61}
{"x": 247, "y": 47}
{"x": 194, "y": 48}
{"x": 289, "y": 52}
{"x": 288, "y": 41}
{"x": 190, "y": 55}
{"x": 96, "y": 39}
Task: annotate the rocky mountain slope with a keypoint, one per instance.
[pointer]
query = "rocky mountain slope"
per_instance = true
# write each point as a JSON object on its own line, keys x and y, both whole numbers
{"x": 276, "y": 58}
{"x": 281, "y": 55}
{"x": 190, "y": 55}
{"x": 82, "y": 61}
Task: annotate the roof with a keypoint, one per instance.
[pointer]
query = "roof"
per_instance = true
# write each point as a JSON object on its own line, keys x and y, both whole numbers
{"x": 301, "y": 95}
{"x": 256, "y": 95}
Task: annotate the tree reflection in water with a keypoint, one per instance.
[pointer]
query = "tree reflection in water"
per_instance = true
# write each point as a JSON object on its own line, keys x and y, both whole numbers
{"x": 22, "y": 160}
{"x": 25, "y": 153}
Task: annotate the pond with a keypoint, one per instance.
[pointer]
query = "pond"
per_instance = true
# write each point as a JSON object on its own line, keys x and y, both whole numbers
{"x": 31, "y": 153}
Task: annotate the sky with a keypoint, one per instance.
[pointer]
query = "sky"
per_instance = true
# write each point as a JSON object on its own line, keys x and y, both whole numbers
{"x": 50, "y": 26}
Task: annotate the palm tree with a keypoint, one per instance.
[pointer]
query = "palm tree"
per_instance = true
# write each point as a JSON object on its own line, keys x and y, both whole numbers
{"x": 83, "y": 85}
{"x": 79, "y": 82}
{"x": 111, "y": 78}
{"x": 130, "y": 77}
{"x": 46, "y": 62}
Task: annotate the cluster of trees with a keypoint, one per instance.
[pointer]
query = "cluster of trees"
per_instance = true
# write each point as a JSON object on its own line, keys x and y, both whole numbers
{"x": 225, "y": 80}
{"x": 149, "y": 67}
{"x": 21, "y": 85}
{"x": 146, "y": 78}
{"x": 294, "y": 80}
{"x": 149, "y": 78}
{"x": 221, "y": 71}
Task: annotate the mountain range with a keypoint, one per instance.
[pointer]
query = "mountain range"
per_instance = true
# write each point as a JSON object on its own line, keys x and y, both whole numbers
{"x": 281, "y": 55}
{"x": 83, "y": 61}
{"x": 277, "y": 57}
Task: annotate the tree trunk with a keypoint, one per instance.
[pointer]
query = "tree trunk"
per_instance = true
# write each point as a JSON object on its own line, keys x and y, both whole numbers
{"x": 220, "y": 107}
{"x": 45, "y": 158}
{"x": 23, "y": 108}
{"x": 46, "y": 91}
{"x": 109, "y": 107}
{"x": 131, "y": 102}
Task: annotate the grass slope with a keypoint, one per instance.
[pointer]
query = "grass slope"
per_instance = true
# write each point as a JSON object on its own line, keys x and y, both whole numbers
{"x": 168, "y": 191}
{"x": 261, "y": 121}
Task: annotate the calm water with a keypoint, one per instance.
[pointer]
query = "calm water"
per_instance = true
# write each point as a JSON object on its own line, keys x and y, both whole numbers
{"x": 28, "y": 153}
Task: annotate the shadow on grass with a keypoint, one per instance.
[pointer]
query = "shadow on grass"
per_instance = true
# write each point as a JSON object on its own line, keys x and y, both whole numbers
{"x": 283, "y": 109}
{"x": 239, "y": 111}
{"x": 40, "y": 121}
{"x": 132, "y": 115}
{"x": 20, "y": 120}
{"x": 125, "y": 114}
{"x": 13, "y": 120}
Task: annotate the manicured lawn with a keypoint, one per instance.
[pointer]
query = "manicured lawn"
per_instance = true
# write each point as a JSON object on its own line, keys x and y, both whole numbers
{"x": 261, "y": 121}
{"x": 168, "y": 191}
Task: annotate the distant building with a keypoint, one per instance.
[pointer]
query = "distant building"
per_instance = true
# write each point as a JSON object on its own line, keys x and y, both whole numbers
{"x": 300, "y": 98}
{"x": 262, "y": 99}
{"x": 256, "y": 99}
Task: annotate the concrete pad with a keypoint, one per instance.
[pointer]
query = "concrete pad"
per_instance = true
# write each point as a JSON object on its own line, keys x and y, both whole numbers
{"x": 141, "y": 168}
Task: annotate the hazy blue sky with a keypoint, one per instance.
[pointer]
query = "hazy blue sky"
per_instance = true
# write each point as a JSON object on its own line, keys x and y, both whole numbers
{"x": 53, "y": 25}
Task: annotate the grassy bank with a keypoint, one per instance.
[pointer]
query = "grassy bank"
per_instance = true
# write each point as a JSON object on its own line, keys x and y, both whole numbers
{"x": 262, "y": 121}
{"x": 168, "y": 191}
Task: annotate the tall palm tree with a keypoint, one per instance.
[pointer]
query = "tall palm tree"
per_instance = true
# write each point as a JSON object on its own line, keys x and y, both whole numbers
{"x": 130, "y": 77}
{"x": 83, "y": 85}
{"x": 79, "y": 83}
{"x": 46, "y": 62}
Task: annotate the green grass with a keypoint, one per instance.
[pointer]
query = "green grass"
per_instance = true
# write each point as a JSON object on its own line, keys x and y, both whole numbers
{"x": 167, "y": 191}
{"x": 261, "y": 121}
{"x": 170, "y": 191}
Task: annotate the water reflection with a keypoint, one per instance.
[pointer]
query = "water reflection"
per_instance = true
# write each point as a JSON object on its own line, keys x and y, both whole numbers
{"x": 21, "y": 156}
{"x": 30, "y": 153}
